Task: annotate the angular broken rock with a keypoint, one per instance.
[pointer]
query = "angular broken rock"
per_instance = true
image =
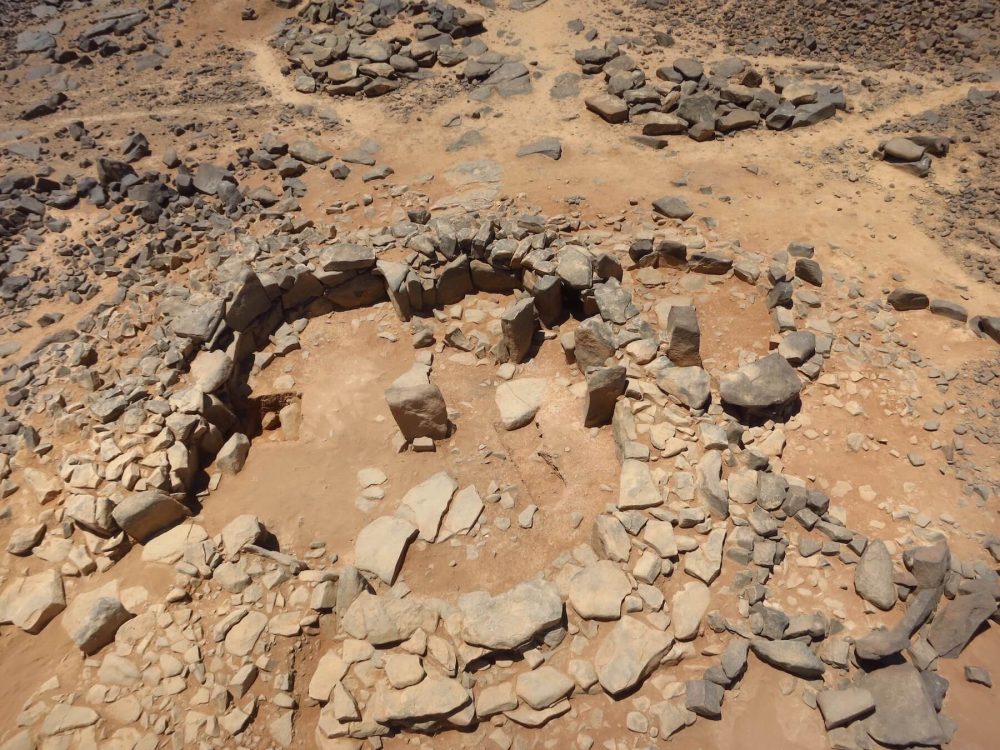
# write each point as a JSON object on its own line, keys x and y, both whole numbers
{"x": 430, "y": 699}
{"x": 145, "y": 514}
{"x": 880, "y": 644}
{"x": 689, "y": 385}
{"x": 689, "y": 605}
{"x": 595, "y": 342}
{"x": 233, "y": 454}
{"x": 628, "y": 654}
{"x": 902, "y": 149}
{"x": 64, "y": 718}
{"x": 704, "y": 698}
{"x": 381, "y": 547}
{"x": 529, "y": 717}
{"x": 604, "y": 386}
{"x": 242, "y": 637}
{"x": 518, "y": 401}
{"x": 958, "y": 621}
{"x": 766, "y": 389}
{"x": 904, "y": 715}
{"x": 705, "y": 563}
{"x": 793, "y": 657}
{"x": 93, "y": 618}
{"x": 463, "y": 513}
{"x": 426, "y": 503}
{"x": 419, "y": 410}
{"x": 873, "y": 576}
{"x": 903, "y": 299}
{"x": 609, "y": 539}
{"x": 542, "y": 687}
{"x": 598, "y": 590}
{"x": 636, "y": 487}
{"x": 31, "y": 602}
{"x": 659, "y": 535}
{"x": 241, "y": 531}
{"x": 512, "y": 619}
{"x": 708, "y": 488}
{"x": 309, "y": 152}
{"x": 684, "y": 336}
{"x": 517, "y": 326}
{"x": 385, "y": 620}
{"x": 673, "y": 207}
{"x": 840, "y": 707}
{"x": 929, "y": 564}
{"x": 550, "y": 147}
{"x": 608, "y": 107}
{"x": 210, "y": 370}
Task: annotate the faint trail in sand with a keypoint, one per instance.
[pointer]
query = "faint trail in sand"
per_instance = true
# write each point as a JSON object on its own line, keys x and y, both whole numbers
{"x": 202, "y": 111}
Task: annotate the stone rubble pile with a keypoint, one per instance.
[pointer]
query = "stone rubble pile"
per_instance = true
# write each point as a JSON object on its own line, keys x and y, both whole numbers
{"x": 686, "y": 99}
{"x": 597, "y": 619}
{"x": 913, "y": 154}
{"x": 712, "y": 555}
{"x": 360, "y": 49}
{"x": 948, "y": 33}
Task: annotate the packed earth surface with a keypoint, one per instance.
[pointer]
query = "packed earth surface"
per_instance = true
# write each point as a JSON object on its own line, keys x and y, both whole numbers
{"x": 506, "y": 374}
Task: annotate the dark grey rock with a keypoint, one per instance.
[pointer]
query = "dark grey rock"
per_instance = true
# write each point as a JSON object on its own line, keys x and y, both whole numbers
{"x": 517, "y": 326}
{"x": 793, "y": 657}
{"x": 550, "y": 147}
{"x": 809, "y": 271}
{"x": 948, "y": 309}
{"x": 768, "y": 388}
{"x": 880, "y": 644}
{"x": 956, "y": 624}
{"x": 604, "y": 386}
{"x": 674, "y": 207}
{"x": 614, "y": 302}
{"x": 797, "y": 347}
{"x": 904, "y": 715}
{"x": 143, "y": 515}
{"x": 704, "y": 698}
{"x": 419, "y": 410}
{"x": 902, "y": 149}
{"x": 608, "y": 107}
{"x": 873, "y": 576}
{"x": 979, "y": 675}
{"x": 929, "y": 564}
{"x": 689, "y": 385}
{"x": 595, "y": 342}
{"x": 346, "y": 256}
{"x": 840, "y": 707}
{"x": 690, "y": 69}
{"x": 907, "y": 299}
